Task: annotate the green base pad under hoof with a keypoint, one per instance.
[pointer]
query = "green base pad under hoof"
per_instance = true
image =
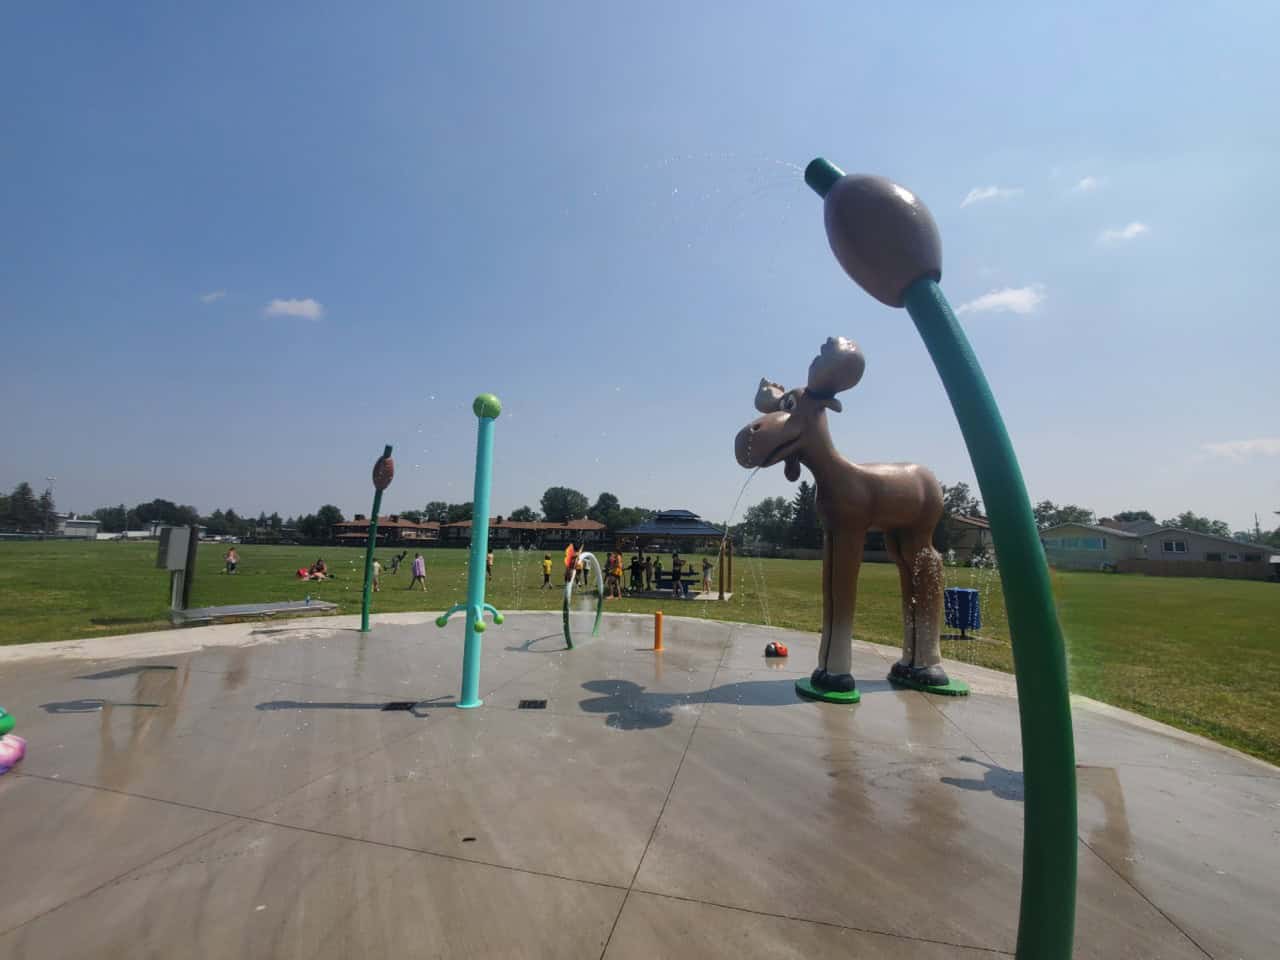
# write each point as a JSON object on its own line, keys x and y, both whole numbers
{"x": 952, "y": 688}
{"x": 806, "y": 689}
{"x": 6, "y": 723}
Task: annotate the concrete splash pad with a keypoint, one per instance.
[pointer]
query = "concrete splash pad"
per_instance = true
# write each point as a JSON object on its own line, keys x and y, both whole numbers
{"x": 255, "y": 799}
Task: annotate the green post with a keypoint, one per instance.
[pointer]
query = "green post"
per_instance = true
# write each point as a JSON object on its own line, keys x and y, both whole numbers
{"x": 486, "y": 407}
{"x": 383, "y": 471}
{"x": 887, "y": 241}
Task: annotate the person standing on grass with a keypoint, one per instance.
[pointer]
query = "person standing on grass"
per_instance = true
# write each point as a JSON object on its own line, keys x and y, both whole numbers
{"x": 616, "y": 569}
{"x": 419, "y": 571}
{"x": 648, "y": 574}
{"x": 546, "y": 572}
{"x": 677, "y": 567}
{"x": 488, "y": 566}
{"x": 377, "y": 575}
{"x": 706, "y": 575}
{"x": 232, "y": 559}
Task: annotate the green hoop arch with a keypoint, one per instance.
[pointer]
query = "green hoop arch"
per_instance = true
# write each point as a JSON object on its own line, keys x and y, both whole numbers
{"x": 568, "y": 596}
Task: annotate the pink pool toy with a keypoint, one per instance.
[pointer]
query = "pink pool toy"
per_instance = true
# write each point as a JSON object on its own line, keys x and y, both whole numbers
{"x": 12, "y": 749}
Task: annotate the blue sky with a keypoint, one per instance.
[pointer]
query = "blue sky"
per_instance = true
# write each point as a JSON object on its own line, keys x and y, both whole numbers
{"x": 243, "y": 248}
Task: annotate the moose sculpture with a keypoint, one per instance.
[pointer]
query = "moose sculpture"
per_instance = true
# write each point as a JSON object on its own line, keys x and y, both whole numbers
{"x": 903, "y": 500}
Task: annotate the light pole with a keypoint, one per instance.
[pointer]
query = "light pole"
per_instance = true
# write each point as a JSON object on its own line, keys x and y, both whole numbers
{"x": 48, "y": 504}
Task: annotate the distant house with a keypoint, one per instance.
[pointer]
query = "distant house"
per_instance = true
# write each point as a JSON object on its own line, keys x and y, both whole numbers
{"x": 1155, "y": 550}
{"x": 1087, "y": 546}
{"x": 539, "y": 534}
{"x": 393, "y": 530}
{"x": 1170, "y": 543}
{"x": 968, "y": 537}
{"x": 1139, "y": 527}
{"x": 82, "y": 529}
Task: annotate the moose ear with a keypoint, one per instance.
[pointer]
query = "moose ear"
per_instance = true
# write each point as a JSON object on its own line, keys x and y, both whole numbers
{"x": 769, "y": 396}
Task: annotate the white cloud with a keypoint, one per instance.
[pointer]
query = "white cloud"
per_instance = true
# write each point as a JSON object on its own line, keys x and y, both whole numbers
{"x": 212, "y": 296}
{"x": 978, "y": 194}
{"x": 1087, "y": 184}
{"x": 1019, "y": 300}
{"x": 307, "y": 309}
{"x": 1114, "y": 235}
{"x": 1244, "y": 449}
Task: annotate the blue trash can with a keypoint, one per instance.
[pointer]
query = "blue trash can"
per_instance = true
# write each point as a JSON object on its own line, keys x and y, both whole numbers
{"x": 960, "y": 604}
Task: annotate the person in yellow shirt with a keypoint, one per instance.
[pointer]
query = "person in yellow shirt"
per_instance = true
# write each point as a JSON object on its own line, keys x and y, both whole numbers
{"x": 616, "y": 570}
{"x": 546, "y": 572}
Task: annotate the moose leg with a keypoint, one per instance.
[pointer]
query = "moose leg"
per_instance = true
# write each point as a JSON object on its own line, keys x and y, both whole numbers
{"x": 846, "y": 557}
{"x": 926, "y": 575}
{"x": 825, "y": 645}
{"x": 907, "y": 585}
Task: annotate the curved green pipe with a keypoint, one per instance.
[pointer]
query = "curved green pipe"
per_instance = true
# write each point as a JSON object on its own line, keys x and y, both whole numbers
{"x": 568, "y": 594}
{"x": 368, "y": 553}
{"x": 1046, "y": 922}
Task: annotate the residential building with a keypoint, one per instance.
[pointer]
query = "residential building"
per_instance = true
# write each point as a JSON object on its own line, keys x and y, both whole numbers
{"x": 540, "y": 534}
{"x": 1170, "y": 543}
{"x": 967, "y": 538}
{"x": 1088, "y": 546}
{"x": 1157, "y": 551}
{"x": 393, "y": 530}
{"x": 82, "y": 529}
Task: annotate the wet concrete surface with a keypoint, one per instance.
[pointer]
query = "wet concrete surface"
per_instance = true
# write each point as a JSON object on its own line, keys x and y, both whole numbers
{"x": 252, "y": 798}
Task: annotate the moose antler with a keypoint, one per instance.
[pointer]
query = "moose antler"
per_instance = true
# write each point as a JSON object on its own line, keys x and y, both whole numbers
{"x": 837, "y": 367}
{"x": 769, "y": 395}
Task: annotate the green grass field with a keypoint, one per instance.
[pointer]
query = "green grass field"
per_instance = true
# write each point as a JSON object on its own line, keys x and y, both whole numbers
{"x": 1198, "y": 654}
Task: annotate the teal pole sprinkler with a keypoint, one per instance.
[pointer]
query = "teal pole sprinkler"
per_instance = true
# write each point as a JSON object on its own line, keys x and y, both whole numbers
{"x": 384, "y": 470}
{"x": 486, "y": 407}
{"x": 887, "y": 241}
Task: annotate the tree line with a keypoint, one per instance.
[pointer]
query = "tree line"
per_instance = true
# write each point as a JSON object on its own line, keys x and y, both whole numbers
{"x": 778, "y": 522}
{"x": 774, "y": 521}
{"x": 24, "y": 511}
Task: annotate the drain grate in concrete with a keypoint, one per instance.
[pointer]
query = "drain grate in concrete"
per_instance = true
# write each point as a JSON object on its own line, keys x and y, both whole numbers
{"x": 405, "y": 705}
{"x": 533, "y": 705}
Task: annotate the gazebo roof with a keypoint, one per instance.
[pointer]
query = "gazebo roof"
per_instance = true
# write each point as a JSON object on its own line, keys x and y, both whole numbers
{"x": 673, "y": 523}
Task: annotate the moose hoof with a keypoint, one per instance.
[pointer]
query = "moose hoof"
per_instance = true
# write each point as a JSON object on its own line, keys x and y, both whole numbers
{"x": 933, "y": 676}
{"x": 833, "y": 682}
{"x": 900, "y": 671}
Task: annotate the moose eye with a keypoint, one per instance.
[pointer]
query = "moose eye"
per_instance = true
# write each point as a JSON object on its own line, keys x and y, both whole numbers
{"x": 787, "y": 403}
